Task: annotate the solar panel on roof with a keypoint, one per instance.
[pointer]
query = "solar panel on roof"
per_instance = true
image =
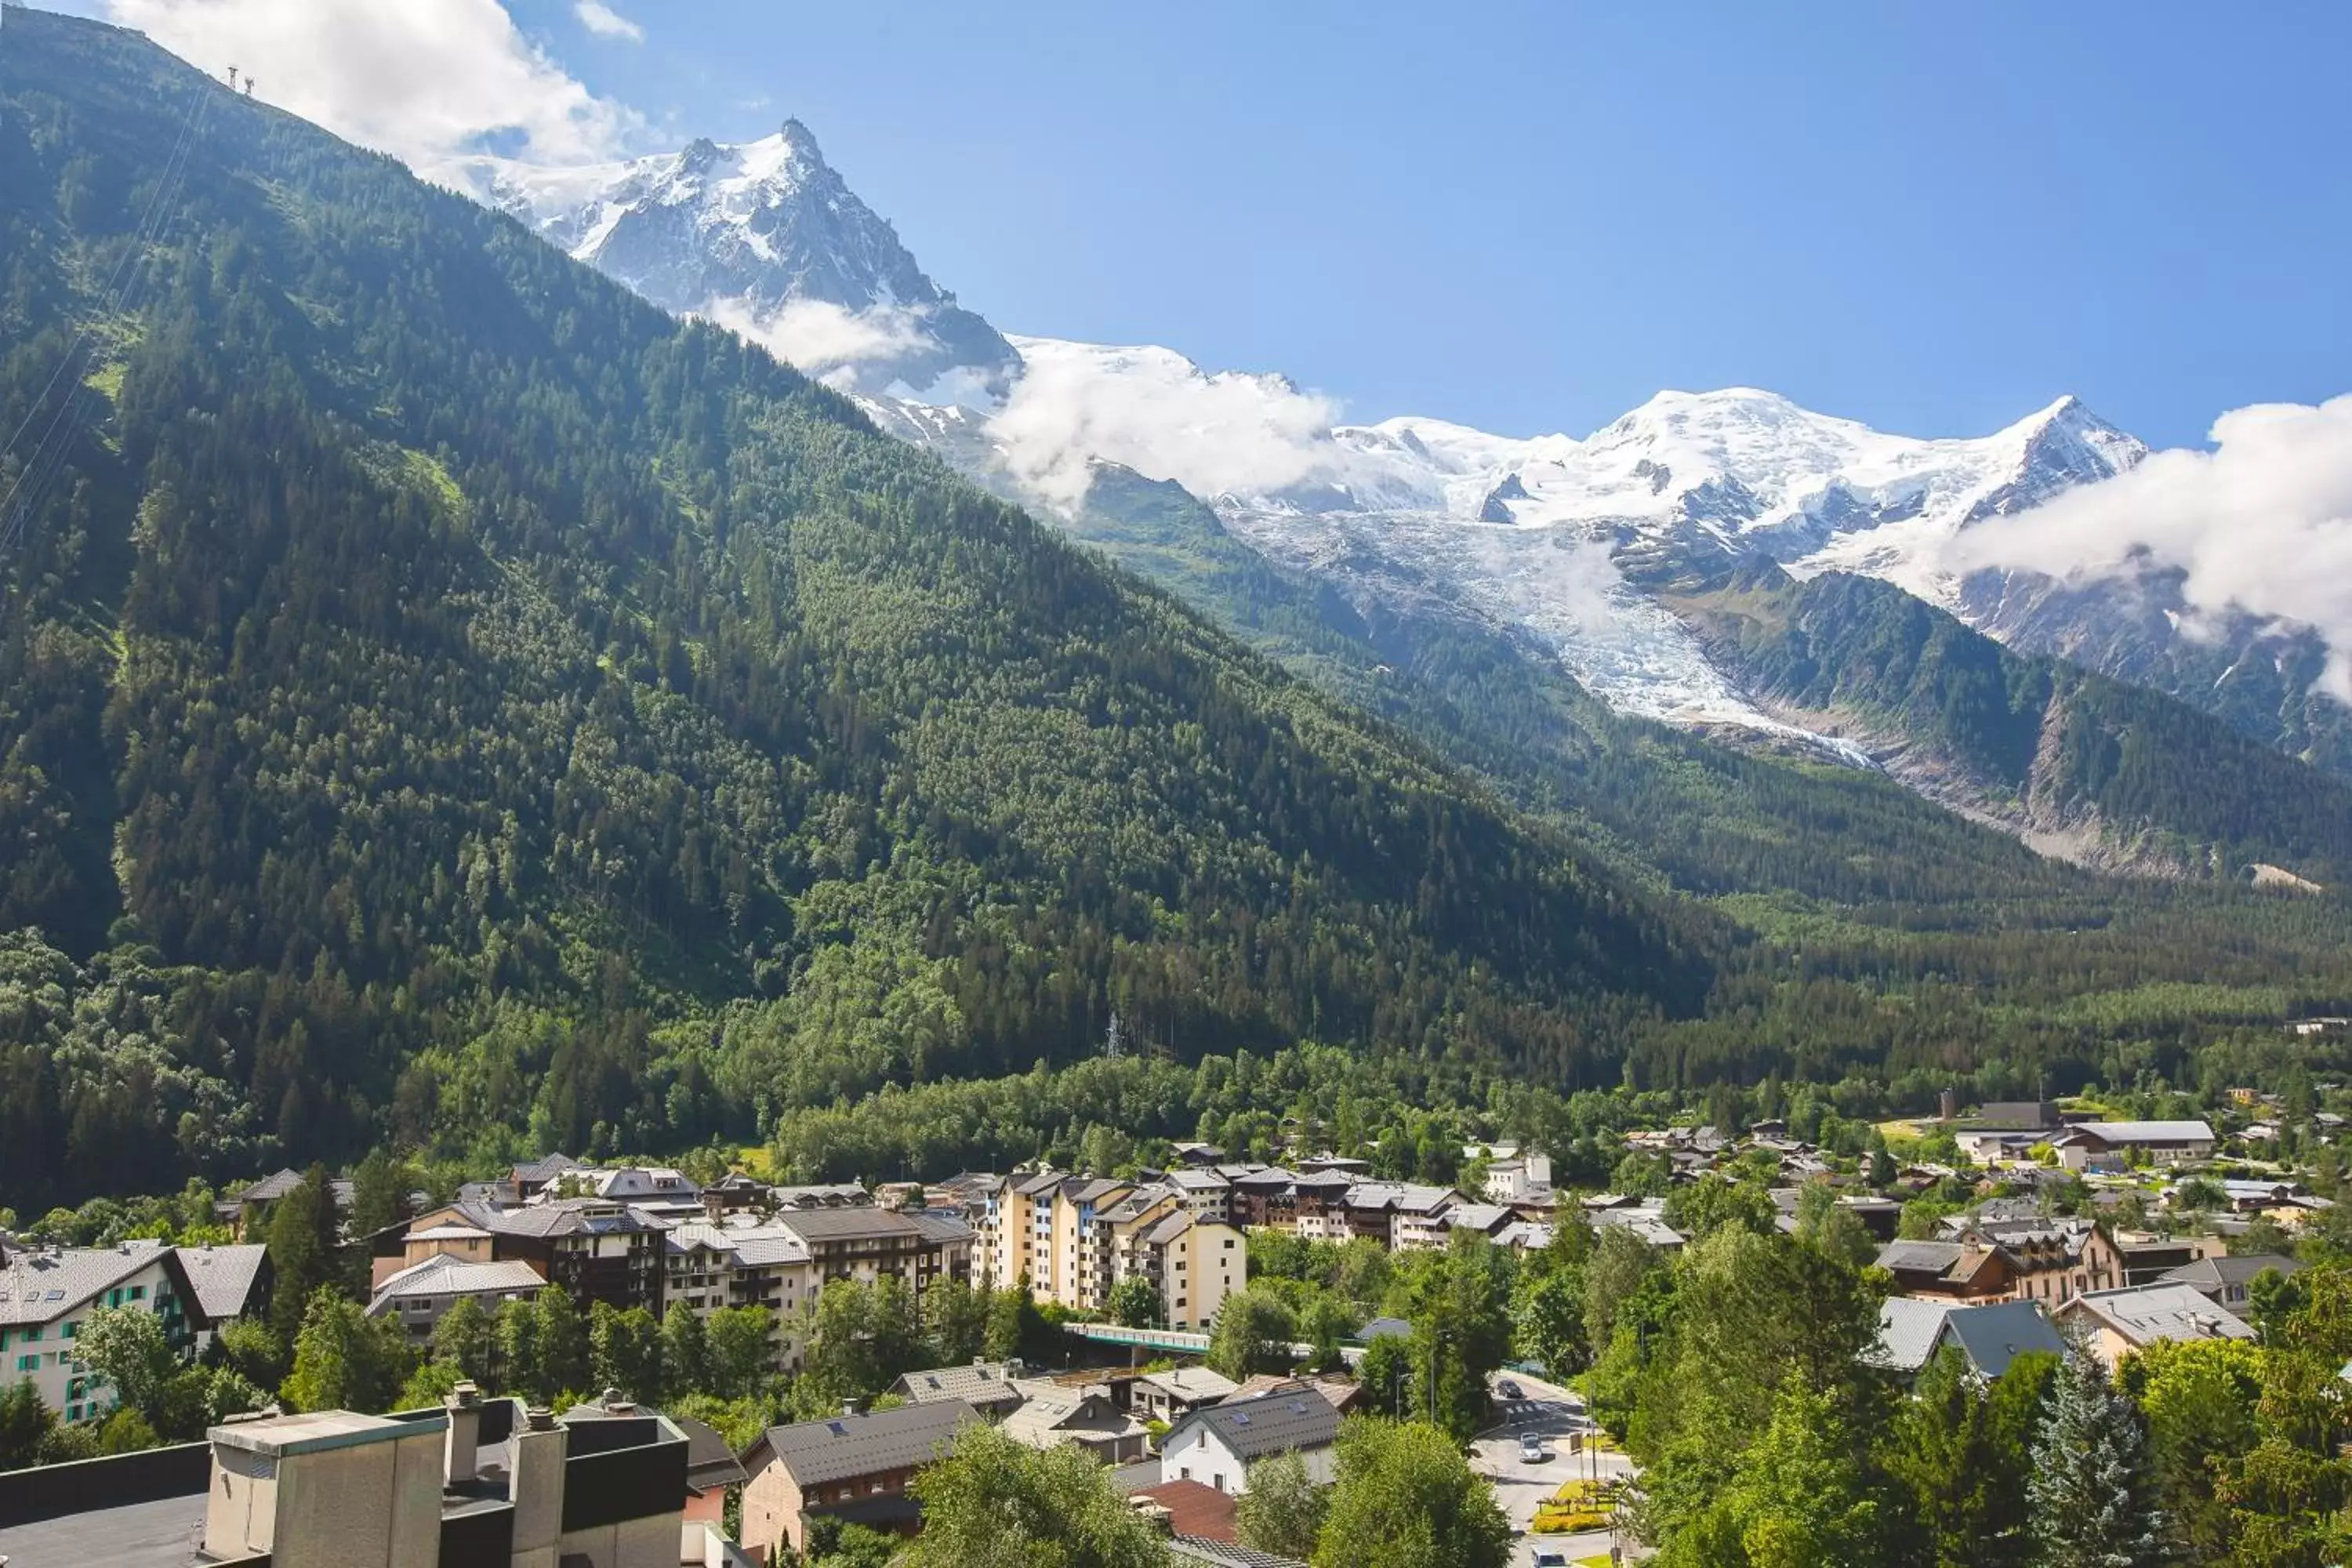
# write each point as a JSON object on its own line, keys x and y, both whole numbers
{"x": 836, "y": 1428}
{"x": 1241, "y": 1417}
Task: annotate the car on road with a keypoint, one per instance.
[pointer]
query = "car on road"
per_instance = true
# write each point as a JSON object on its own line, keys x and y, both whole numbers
{"x": 1550, "y": 1557}
{"x": 1508, "y": 1389}
{"x": 1532, "y": 1450}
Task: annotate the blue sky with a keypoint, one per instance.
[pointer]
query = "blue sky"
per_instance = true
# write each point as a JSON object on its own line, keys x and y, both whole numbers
{"x": 1935, "y": 219}
{"x": 1526, "y": 218}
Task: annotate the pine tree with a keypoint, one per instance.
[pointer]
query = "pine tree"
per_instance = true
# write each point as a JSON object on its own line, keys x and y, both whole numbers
{"x": 305, "y": 1238}
{"x": 685, "y": 1352}
{"x": 2093, "y": 1490}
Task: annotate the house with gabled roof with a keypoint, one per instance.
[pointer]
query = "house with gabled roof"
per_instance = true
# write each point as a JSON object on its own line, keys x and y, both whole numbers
{"x": 1912, "y": 1332}
{"x": 852, "y": 1468}
{"x": 991, "y": 1387}
{"x": 1217, "y": 1443}
{"x": 2119, "y": 1322}
{"x": 1052, "y": 1415}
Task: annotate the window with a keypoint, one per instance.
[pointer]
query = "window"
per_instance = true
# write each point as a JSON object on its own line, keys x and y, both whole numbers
{"x": 71, "y": 1329}
{"x": 73, "y": 1412}
{"x": 1184, "y": 1473}
{"x": 30, "y": 1335}
{"x": 29, "y": 1363}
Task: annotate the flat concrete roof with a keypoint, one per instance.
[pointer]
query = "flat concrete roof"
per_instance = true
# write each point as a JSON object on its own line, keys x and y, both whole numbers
{"x": 320, "y": 1429}
{"x": 164, "y": 1533}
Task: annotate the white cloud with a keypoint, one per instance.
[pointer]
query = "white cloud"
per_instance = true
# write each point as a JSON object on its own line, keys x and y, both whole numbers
{"x": 426, "y": 81}
{"x": 1157, "y": 412}
{"x": 818, "y": 337}
{"x": 606, "y": 23}
{"x": 2261, "y": 525}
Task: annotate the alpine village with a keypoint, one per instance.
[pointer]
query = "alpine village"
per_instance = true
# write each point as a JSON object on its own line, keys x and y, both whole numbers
{"x": 617, "y": 954}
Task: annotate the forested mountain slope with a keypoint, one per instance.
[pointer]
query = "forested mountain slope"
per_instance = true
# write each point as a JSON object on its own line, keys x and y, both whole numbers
{"x": 421, "y": 627}
{"x": 2089, "y": 766}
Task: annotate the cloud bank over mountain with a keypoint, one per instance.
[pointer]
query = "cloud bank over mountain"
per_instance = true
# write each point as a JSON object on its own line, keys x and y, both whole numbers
{"x": 425, "y": 80}
{"x": 2262, "y": 524}
{"x": 1156, "y": 411}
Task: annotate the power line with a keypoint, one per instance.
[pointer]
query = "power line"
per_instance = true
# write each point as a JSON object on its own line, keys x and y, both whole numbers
{"x": 122, "y": 292}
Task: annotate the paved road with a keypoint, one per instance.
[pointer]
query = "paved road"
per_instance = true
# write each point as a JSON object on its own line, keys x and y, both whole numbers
{"x": 1553, "y": 1414}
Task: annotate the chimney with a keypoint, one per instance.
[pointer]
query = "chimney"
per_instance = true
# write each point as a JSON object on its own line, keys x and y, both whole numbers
{"x": 537, "y": 1485}
{"x": 464, "y": 1407}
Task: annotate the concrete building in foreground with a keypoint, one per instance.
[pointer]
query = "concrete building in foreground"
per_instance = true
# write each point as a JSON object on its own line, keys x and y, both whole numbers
{"x": 478, "y": 1484}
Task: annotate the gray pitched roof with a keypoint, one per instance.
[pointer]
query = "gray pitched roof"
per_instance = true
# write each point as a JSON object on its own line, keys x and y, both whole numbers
{"x": 1050, "y": 1413}
{"x": 814, "y": 1225}
{"x": 2211, "y": 1273}
{"x": 1927, "y": 1257}
{"x": 709, "y": 1462}
{"x": 2146, "y": 1132}
{"x": 271, "y": 1188}
{"x": 752, "y": 1246}
{"x": 1994, "y": 1335}
{"x": 1907, "y": 1332}
{"x": 223, "y": 1277}
{"x": 817, "y": 1452}
{"x": 1225, "y": 1554}
{"x": 984, "y": 1384}
{"x": 937, "y": 1226}
{"x": 38, "y": 1286}
{"x": 448, "y": 1276}
{"x": 1274, "y": 1423}
{"x": 2151, "y": 1313}
{"x": 1191, "y": 1383}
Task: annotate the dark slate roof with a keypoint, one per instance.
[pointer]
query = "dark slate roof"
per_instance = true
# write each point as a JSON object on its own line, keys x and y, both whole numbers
{"x": 1270, "y": 1424}
{"x": 271, "y": 1188}
{"x": 2211, "y": 1273}
{"x": 815, "y": 1453}
{"x": 1921, "y": 1256}
{"x": 223, "y": 1277}
{"x": 938, "y": 1227}
{"x": 1994, "y": 1335}
{"x": 709, "y": 1462}
{"x": 814, "y": 1226}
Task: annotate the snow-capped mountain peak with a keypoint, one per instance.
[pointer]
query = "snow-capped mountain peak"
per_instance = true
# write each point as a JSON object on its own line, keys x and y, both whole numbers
{"x": 765, "y": 236}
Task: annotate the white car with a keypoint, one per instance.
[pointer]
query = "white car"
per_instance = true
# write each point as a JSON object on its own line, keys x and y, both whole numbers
{"x": 1532, "y": 1450}
{"x": 1550, "y": 1557}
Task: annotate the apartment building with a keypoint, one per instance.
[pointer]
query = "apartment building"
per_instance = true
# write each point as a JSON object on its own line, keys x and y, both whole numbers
{"x": 596, "y": 1249}
{"x": 871, "y": 1244}
{"x": 769, "y": 1266}
{"x": 1080, "y": 1274}
{"x": 1194, "y": 1264}
{"x": 47, "y": 1294}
